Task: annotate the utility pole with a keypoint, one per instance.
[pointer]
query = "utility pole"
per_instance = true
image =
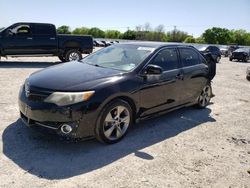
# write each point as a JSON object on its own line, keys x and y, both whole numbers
{"x": 174, "y": 33}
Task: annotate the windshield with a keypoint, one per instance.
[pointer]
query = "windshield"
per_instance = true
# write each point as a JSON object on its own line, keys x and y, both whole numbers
{"x": 1, "y": 29}
{"x": 242, "y": 50}
{"x": 202, "y": 48}
{"x": 124, "y": 57}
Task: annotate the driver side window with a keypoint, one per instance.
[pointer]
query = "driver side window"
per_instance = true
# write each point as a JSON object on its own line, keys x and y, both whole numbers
{"x": 167, "y": 59}
{"x": 21, "y": 30}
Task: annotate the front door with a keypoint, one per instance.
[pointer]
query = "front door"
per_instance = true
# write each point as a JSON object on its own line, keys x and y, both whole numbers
{"x": 18, "y": 40}
{"x": 160, "y": 92}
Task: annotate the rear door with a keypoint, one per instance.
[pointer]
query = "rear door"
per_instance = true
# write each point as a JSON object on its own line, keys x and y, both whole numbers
{"x": 45, "y": 40}
{"x": 18, "y": 40}
{"x": 160, "y": 92}
{"x": 195, "y": 74}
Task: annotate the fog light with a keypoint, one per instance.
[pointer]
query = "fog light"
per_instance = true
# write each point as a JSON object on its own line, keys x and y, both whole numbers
{"x": 66, "y": 129}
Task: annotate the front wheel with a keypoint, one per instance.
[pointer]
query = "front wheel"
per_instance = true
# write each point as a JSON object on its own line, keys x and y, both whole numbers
{"x": 114, "y": 122}
{"x": 205, "y": 96}
{"x": 73, "y": 55}
{"x": 218, "y": 59}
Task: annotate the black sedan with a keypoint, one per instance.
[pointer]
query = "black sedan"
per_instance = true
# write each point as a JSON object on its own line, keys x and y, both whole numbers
{"x": 214, "y": 50}
{"x": 241, "y": 54}
{"x": 102, "y": 95}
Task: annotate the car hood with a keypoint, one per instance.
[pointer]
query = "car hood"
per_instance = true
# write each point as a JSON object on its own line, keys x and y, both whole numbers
{"x": 72, "y": 76}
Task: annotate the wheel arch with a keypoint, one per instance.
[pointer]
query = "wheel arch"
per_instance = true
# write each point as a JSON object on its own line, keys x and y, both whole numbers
{"x": 125, "y": 98}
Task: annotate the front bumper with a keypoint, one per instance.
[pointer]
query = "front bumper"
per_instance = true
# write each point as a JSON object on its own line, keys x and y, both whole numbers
{"x": 51, "y": 117}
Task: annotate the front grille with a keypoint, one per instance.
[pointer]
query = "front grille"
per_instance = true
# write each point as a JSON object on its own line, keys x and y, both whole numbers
{"x": 34, "y": 94}
{"x": 37, "y": 97}
{"x": 50, "y": 125}
{"x": 237, "y": 55}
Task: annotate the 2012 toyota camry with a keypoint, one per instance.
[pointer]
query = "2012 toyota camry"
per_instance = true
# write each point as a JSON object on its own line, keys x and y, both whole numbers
{"x": 103, "y": 94}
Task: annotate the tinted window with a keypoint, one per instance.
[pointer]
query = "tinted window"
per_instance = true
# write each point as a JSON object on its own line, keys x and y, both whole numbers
{"x": 21, "y": 30}
{"x": 189, "y": 57}
{"x": 214, "y": 49}
{"x": 44, "y": 30}
{"x": 167, "y": 59}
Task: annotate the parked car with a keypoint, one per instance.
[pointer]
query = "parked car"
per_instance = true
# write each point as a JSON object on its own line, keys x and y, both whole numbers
{"x": 106, "y": 43}
{"x": 232, "y": 48}
{"x": 224, "y": 51}
{"x": 40, "y": 39}
{"x": 107, "y": 91}
{"x": 248, "y": 73}
{"x": 99, "y": 43}
{"x": 214, "y": 50}
{"x": 241, "y": 54}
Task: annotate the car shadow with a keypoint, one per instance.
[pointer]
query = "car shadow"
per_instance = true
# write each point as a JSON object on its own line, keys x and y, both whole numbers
{"x": 47, "y": 157}
{"x": 26, "y": 64}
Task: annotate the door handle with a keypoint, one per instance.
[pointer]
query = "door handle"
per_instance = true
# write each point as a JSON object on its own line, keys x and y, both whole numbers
{"x": 52, "y": 38}
{"x": 29, "y": 38}
{"x": 179, "y": 76}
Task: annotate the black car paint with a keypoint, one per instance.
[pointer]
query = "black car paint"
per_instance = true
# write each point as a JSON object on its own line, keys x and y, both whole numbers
{"x": 214, "y": 50}
{"x": 40, "y": 43}
{"x": 148, "y": 95}
{"x": 240, "y": 55}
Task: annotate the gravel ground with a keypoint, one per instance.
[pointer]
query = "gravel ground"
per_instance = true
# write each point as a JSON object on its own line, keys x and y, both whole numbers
{"x": 185, "y": 148}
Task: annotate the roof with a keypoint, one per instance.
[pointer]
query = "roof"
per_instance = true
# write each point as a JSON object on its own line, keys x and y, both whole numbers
{"x": 156, "y": 44}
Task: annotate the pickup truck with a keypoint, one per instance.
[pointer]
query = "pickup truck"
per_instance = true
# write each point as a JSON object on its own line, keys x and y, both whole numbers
{"x": 41, "y": 39}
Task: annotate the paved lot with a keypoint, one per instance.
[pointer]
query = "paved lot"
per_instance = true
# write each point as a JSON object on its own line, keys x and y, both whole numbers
{"x": 185, "y": 148}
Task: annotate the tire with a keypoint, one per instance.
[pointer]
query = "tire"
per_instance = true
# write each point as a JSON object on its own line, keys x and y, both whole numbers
{"x": 73, "y": 55}
{"x": 230, "y": 59}
{"x": 218, "y": 59}
{"x": 62, "y": 59}
{"x": 245, "y": 59}
{"x": 205, "y": 97}
{"x": 110, "y": 127}
{"x": 248, "y": 78}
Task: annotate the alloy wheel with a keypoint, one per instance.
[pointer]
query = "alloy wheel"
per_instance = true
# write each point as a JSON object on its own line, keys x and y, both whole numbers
{"x": 116, "y": 123}
{"x": 74, "y": 56}
{"x": 205, "y": 96}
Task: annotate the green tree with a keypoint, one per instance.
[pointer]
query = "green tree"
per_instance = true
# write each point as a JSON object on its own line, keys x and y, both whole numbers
{"x": 200, "y": 40}
{"x": 64, "y": 29}
{"x": 177, "y": 35}
{"x": 112, "y": 34}
{"x": 217, "y": 35}
{"x": 96, "y": 32}
{"x": 81, "y": 31}
{"x": 190, "y": 39}
{"x": 129, "y": 35}
{"x": 240, "y": 37}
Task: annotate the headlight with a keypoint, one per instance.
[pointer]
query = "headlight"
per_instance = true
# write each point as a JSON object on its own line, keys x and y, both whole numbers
{"x": 66, "y": 98}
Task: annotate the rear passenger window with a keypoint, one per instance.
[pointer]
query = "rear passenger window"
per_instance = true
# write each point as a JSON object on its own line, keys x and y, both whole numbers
{"x": 44, "y": 30}
{"x": 167, "y": 59}
{"x": 189, "y": 57}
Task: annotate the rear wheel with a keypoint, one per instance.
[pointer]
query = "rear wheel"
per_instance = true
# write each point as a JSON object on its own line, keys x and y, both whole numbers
{"x": 73, "y": 55}
{"x": 230, "y": 59}
{"x": 114, "y": 122}
{"x": 248, "y": 78}
{"x": 205, "y": 96}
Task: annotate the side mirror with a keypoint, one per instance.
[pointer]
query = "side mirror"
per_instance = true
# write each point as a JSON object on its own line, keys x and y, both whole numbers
{"x": 153, "y": 70}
